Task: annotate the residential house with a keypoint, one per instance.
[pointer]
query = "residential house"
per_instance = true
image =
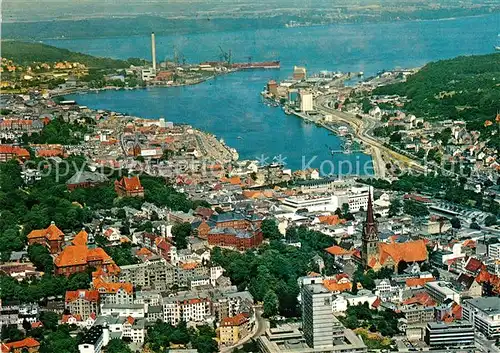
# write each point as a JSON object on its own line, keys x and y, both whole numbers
{"x": 82, "y": 303}
{"x": 114, "y": 293}
{"x": 233, "y": 329}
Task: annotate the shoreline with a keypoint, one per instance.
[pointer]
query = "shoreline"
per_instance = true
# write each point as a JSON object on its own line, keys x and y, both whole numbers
{"x": 172, "y": 33}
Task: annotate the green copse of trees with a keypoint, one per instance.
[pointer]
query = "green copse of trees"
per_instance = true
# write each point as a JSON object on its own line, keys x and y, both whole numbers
{"x": 26, "y": 53}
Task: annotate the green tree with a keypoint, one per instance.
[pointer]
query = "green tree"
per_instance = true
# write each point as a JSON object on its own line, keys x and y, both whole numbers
{"x": 415, "y": 209}
{"x": 180, "y": 234}
{"x": 59, "y": 341}
{"x": 11, "y": 333}
{"x": 270, "y": 230}
{"x": 79, "y": 281}
{"x": 10, "y": 175}
{"x": 10, "y": 240}
{"x": 40, "y": 257}
{"x": 455, "y": 223}
{"x": 49, "y": 320}
{"x": 116, "y": 345}
{"x": 270, "y": 304}
{"x": 395, "y": 207}
{"x": 490, "y": 220}
{"x": 345, "y": 209}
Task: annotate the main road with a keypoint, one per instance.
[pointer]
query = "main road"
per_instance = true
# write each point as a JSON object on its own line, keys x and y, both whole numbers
{"x": 363, "y": 129}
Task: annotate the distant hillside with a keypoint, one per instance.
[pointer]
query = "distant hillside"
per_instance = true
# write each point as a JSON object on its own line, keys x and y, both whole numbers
{"x": 26, "y": 53}
{"x": 467, "y": 87}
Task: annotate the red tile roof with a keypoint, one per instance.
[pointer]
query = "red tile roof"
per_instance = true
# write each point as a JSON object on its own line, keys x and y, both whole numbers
{"x": 331, "y": 220}
{"x": 36, "y": 324}
{"x": 111, "y": 287}
{"x": 50, "y": 233}
{"x": 74, "y": 255}
{"x": 91, "y": 295}
{"x": 236, "y": 320}
{"x": 411, "y": 251}
{"x": 18, "y": 151}
{"x": 422, "y": 298}
{"x": 28, "y": 342}
{"x": 473, "y": 264}
{"x": 417, "y": 198}
{"x": 130, "y": 320}
{"x": 418, "y": 282}
{"x": 377, "y": 303}
{"x": 81, "y": 238}
{"x": 337, "y": 250}
{"x": 49, "y": 152}
{"x": 131, "y": 184}
{"x": 334, "y": 286}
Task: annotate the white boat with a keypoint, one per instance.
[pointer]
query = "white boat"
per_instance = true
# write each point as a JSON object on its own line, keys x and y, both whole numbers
{"x": 497, "y": 47}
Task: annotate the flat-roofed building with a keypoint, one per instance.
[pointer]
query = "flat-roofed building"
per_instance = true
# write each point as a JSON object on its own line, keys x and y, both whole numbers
{"x": 483, "y": 314}
{"x": 457, "y": 334}
{"x": 441, "y": 290}
{"x": 317, "y": 317}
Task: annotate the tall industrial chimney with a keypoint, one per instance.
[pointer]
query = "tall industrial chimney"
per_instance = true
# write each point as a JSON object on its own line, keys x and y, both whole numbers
{"x": 153, "y": 50}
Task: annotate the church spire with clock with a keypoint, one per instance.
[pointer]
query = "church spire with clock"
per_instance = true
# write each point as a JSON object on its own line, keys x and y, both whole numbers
{"x": 370, "y": 239}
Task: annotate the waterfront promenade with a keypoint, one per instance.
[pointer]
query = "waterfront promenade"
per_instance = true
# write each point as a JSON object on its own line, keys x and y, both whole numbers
{"x": 362, "y": 129}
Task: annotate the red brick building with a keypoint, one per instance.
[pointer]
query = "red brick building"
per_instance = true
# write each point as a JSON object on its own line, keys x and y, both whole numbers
{"x": 232, "y": 220}
{"x": 129, "y": 187}
{"x": 77, "y": 258}
{"x": 50, "y": 237}
{"x": 239, "y": 239}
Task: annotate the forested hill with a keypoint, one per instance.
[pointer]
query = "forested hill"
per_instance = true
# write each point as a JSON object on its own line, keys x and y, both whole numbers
{"x": 25, "y": 53}
{"x": 467, "y": 87}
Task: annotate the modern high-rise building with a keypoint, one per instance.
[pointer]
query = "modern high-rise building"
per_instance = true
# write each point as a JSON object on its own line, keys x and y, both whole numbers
{"x": 306, "y": 101}
{"x": 317, "y": 317}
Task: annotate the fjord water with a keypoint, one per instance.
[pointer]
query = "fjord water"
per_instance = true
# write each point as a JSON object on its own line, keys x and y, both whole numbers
{"x": 231, "y": 106}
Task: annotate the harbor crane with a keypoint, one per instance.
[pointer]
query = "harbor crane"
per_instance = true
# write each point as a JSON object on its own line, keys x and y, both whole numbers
{"x": 179, "y": 57}
{"x": 225, "y": 56}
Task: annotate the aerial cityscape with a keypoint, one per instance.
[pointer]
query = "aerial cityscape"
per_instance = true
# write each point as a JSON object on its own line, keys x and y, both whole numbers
{"x": 236, "y": 176}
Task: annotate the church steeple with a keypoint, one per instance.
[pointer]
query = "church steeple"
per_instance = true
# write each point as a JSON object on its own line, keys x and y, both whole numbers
{"x": 370, "y": 237}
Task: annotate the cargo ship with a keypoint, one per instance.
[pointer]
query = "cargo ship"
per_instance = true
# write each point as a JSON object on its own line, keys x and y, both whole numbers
{"x": 257, "y": 65}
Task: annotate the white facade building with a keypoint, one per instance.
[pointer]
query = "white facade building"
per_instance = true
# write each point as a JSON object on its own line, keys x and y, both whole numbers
{"x": 306, "y": 101}
{"x": 494, "y": 251}
{"x": 148, "y": 74}
{"x": 484, "y": 315}
{"x": 441, "y": 290}
{"x": 356, "y": 197}
{"x": 134, "y": 310}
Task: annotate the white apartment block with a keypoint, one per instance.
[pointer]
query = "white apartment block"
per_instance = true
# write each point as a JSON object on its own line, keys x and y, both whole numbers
{"x": 441, "y": 290}
{"x": 134, "y": 310}
{"x": 356, "y": 197}
{"x": 484, "y": 315}
{"x": 494, "y": 251}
